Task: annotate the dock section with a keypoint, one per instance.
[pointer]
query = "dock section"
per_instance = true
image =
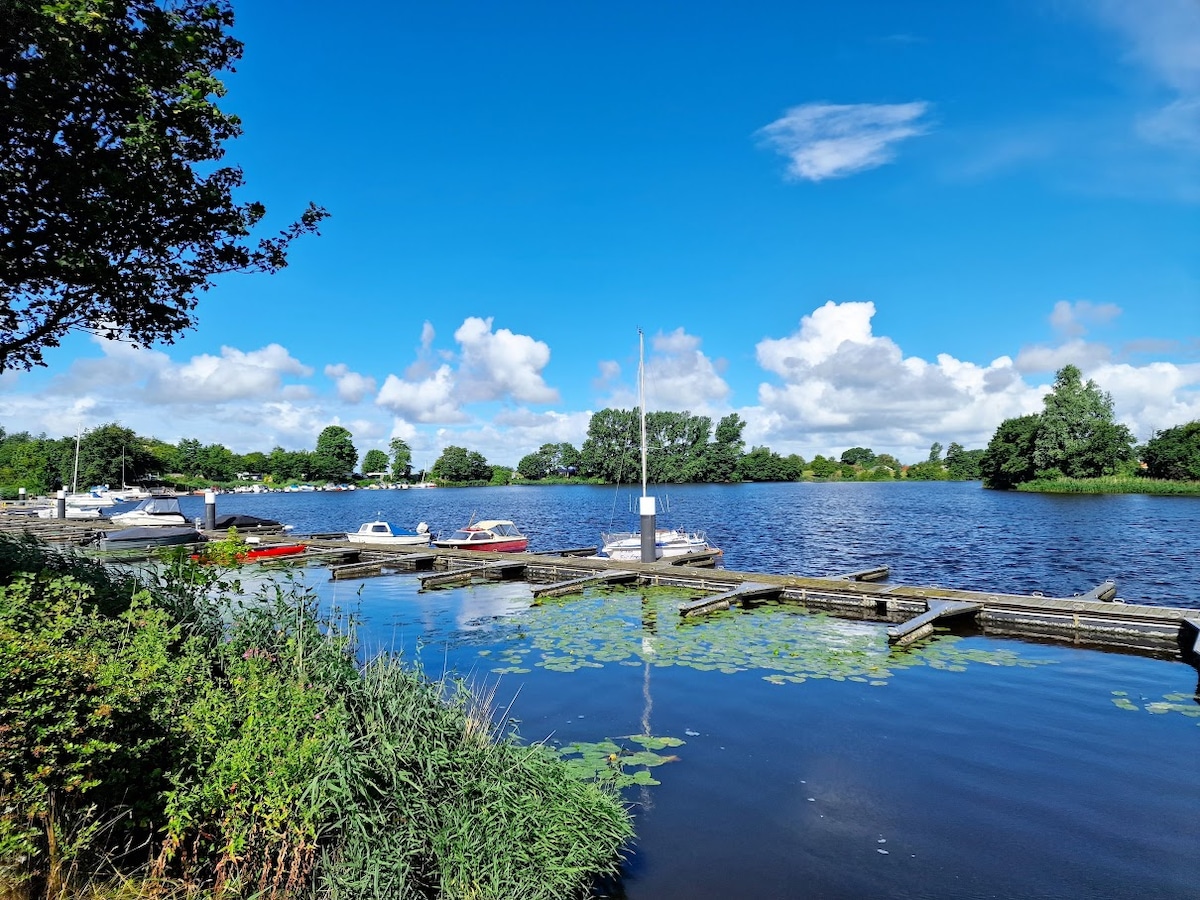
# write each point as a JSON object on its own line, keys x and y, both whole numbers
{"x": 1096, "y": 617}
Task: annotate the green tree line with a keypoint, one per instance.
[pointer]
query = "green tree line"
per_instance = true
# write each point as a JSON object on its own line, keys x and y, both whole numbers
{"x": 1075, "y": 436}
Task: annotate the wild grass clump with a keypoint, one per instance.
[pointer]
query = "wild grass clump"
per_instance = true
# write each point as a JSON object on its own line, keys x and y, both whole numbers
{"x": 1112, "y": 484}
{"x": 470, "y": 815}
{"x": 160, "y": 740}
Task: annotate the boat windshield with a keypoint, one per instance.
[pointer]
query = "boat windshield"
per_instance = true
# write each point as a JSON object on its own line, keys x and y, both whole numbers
{"x": 462, "y": 535}
{"x": 480, "y": 536}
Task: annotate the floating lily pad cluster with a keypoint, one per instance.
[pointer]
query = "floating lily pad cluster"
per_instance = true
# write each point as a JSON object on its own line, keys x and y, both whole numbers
{"x": 612, "y": 759}
{"x": 1182, "y": 704}
{"x": 784, "y": 642}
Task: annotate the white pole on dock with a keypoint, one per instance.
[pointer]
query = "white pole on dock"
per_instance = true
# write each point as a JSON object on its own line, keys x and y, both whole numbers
{"x": 60, "y": 504}
{"x": 646, "y": 506}
{"x": 210, "y": 510}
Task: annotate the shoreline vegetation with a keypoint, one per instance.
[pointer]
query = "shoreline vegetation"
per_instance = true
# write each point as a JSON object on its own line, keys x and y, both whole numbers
{"x": 1112, "y": 484}
{"x": 163, "y": 735}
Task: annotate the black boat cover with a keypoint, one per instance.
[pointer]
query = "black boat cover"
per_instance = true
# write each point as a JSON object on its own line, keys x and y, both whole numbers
{"x": 238, "y": 520}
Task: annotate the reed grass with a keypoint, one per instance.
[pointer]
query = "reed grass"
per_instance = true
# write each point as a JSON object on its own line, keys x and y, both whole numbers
{"x": 284, "y": 768}
{"x": 1112, "y": 484}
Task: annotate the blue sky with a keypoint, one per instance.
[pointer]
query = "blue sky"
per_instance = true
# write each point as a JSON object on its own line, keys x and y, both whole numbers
{"x": 862, "y": 223}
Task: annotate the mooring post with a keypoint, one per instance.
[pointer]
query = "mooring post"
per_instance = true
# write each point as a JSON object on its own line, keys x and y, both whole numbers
{"x": 60, "y": 504}
{"x": 649, "y": 529}
{"x": 21, "y": 495}
{"x": 210, "y": 510}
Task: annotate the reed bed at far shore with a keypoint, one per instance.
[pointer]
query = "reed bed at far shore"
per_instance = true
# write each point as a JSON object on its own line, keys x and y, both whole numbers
{"x": 1112, "y": 484}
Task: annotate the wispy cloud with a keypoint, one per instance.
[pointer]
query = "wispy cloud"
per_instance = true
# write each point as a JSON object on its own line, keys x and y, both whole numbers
{"x": 1163, "y": 37}
{"x": 825, "y": 140}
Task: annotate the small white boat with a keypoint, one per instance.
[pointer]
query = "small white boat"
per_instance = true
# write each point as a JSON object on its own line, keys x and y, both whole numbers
{"x": 154, "y": 511}
{"x": 73, "y": 512}
{"x": 627, "y": 545}
{"x": 93, "y": 497}
{"x": 386, "y": 534}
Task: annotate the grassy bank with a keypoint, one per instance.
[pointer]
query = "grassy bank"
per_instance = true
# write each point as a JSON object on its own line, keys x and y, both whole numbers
{"x": 154, "y": 744}
{"x": 1112, "y": 484}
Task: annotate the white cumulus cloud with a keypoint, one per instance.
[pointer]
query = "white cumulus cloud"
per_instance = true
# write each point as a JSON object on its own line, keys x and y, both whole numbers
{"x": 501, "y": 365}
{"x": 825, "y": 140}
{"x": 840, "y": 385}
{"x": 351, "y": 386}
{"x": 427, "y": 400}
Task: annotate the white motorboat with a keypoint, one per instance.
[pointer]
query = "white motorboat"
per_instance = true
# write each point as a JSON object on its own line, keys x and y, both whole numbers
{"x": 385, "y": 534}
{"x": 153, "y": 511}
{"x": 73, "y": 512}
{"x": 627, "y": 545}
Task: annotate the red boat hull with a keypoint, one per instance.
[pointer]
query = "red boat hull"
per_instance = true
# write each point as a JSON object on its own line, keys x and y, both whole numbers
{"x": 261, "y": 553}
{"x": 506, "y": 545}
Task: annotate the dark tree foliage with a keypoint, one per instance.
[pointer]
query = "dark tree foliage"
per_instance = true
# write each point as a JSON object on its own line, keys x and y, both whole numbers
{"x": 764, "y": 464}
{"x": 458, "y": 464}
{"x": 1008, "y": 459}
{"x": 963, "y": 465}
{"x": 335, "y": 456}
{"x": 375, "y": 460}
{"x": 725, "y": 452}
{"x": 859, "y": 456}
{"x": 1076, "y": 435}
{"x": 1174, "y": 454}
{"x": 288, "y": 465}
{"x": 676, "y": 446}
{"x": 822, "y": 467}
{"x": 561, "y": 460}
{"x": 114, "y": 211}
{"x": 611, "y": 451}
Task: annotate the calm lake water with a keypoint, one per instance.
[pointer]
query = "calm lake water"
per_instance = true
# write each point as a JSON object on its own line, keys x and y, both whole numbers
{"x": 816, "y": 761}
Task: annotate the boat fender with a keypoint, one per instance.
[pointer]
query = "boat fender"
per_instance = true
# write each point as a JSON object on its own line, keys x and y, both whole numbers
{"x": 423, "y": 528}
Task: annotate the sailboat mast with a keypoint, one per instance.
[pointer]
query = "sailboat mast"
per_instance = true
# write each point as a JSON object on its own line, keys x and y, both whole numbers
{"x": 642, "y": 400}
{"x": 75, "y": 476}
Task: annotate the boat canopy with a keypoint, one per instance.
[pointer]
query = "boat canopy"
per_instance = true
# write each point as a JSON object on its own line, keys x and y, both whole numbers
{"x": 159, "y": 506}
{"x": 499, "y": 527}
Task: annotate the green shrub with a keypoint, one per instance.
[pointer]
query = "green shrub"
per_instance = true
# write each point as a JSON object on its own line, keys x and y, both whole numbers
{"x": 167, "y": 735}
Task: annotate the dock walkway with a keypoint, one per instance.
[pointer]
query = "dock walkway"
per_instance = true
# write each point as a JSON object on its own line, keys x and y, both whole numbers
{"x": 1095, "y": 617}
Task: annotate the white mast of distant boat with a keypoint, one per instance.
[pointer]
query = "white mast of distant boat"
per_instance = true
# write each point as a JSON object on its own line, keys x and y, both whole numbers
{"x": 646, "y": 506}
{"x": 75, "y": 477}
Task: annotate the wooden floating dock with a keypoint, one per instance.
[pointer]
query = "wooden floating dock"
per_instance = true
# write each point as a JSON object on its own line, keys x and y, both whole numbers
{"x": 1096, "y": 617}
{"x": 747, "y": 590}
{"x": 579, "y": 585}
{"x": 921, "y": 626}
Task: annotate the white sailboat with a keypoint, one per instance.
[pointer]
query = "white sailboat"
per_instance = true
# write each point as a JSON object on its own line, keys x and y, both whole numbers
{"x": 627, "y": 545}
{"x": 88, "y": 503}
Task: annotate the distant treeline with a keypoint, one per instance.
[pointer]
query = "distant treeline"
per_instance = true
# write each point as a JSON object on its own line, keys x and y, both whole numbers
{"x": 682, "y": 448}
{"x": 1075, "y": 438}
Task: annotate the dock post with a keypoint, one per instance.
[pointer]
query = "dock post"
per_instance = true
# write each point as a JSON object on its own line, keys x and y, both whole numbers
{"x": 649, "y": 529}
{"x": 60, "y": 504}
{"x": 21, "y": 496}
{"x": 210, "y": 510}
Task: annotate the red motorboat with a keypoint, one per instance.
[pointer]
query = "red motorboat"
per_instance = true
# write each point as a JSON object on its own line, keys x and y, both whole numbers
{"x": 254, "y": 554}
{"x": 490, "y": 534}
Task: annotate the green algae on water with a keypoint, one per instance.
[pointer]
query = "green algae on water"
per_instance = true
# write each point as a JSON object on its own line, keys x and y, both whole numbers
{"x": 787, "y": 643}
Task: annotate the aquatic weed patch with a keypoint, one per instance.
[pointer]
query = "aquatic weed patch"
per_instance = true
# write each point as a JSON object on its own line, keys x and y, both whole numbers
{"x": 1178, "y": 703}
{"x": 613, "y": 761}
{"x": 785, "y": 642}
